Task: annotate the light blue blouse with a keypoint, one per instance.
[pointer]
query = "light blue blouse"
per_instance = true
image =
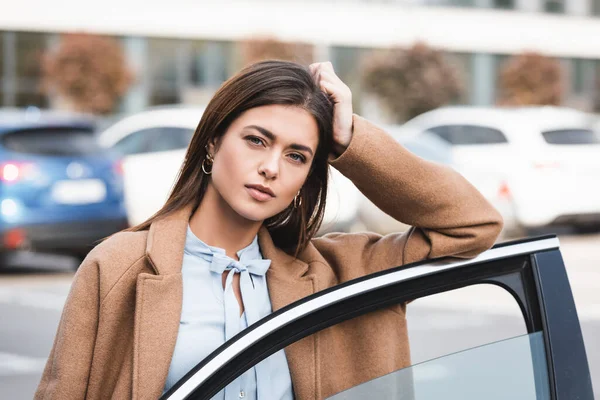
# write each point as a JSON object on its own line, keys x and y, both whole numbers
{"x": 210, "y": 315}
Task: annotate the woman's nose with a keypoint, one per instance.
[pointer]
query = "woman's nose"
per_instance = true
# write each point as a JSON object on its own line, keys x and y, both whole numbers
{"x": 269, "y": 168}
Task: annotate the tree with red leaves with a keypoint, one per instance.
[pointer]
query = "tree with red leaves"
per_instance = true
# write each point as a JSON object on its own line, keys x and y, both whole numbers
{"x": 89, "y": 71}
{"x": 531, "y": 79}
{"x": 411, "y": 81}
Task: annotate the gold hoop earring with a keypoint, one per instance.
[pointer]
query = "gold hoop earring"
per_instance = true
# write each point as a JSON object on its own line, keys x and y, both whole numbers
{"x": 210, "y": 160}
{"x": 297, "y": 200}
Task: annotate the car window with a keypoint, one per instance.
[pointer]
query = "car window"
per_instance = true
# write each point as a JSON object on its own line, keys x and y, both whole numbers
{"x": 571, "y": 136}
{"x": 170, "y": 138}
{"x": 450, "y": 322}
{"x": 52, "y": 141}
{"x": 510, "y": 369}
{"x": 469, "y": 134}
{"x": 134, "y": 143}
{"x": 429, "y": 146}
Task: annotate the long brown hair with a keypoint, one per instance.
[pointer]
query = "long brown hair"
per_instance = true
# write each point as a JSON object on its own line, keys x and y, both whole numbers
{"x": 261, "y": 84}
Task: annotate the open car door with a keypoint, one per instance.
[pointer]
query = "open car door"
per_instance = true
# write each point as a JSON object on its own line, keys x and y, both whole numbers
{"x": 548, "y": 362}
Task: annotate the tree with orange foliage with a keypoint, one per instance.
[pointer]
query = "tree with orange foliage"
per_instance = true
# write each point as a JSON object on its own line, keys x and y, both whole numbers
{"x": 89, "y": 71}
{"x": 260, "y": 49}
{"x": 411, "y": 81}
{"x": 531, "y": 79}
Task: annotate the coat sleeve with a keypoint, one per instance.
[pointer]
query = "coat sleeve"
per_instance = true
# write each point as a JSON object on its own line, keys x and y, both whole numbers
{"x": 68, "y": 367}
{"x": 449, "y": 217}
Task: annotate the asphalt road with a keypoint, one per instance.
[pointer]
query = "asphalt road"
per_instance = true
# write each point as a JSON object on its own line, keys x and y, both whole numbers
{"x": 31, "y": 302}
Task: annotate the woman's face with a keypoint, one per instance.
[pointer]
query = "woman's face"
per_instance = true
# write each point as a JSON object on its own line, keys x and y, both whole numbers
{"x": 268, "y": 148}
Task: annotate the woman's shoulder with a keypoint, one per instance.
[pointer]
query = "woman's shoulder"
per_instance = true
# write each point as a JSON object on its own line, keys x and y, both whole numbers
{"x": 355, "y": 245}
{"x": 356, "y": 254}
{"x": 361, "y": 248}
{"x": 116, "y": 254}
{"x": 344, "y": 239}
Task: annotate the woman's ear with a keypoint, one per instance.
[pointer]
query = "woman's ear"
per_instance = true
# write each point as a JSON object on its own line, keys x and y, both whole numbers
{"x": 212, "y": 146}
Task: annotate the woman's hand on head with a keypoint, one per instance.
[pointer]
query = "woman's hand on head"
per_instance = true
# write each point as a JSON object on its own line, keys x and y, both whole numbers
{"x": 341, "y": 95}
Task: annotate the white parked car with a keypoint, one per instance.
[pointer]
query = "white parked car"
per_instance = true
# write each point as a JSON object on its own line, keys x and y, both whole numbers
{"x": 153, "y": 145}
{"x": 546, "y": 160}
{"x": 154, "y": 142}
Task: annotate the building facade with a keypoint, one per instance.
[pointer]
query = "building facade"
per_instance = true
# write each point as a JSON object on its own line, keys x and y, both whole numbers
{"x": 182, "y": 50}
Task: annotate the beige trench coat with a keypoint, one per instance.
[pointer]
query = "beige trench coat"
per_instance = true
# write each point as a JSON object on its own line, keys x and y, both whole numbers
{"x": 119, "y": 324}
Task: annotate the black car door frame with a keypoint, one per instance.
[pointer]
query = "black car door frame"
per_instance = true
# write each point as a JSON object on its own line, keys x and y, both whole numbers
{"x": 531, "y": 270}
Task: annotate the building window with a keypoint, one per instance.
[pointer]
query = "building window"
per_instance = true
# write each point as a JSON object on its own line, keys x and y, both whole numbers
{"x": 596, "y": 85}
{"x": 596, "y": 7}
{"x": 30, "y": 47}
{"x": 458, "y": 3}
{"x": 3, "y": 62}
{"x": 504, "y": 4}
{"x": 208, "y": 66}
{"x": 347, "y": 62}
{"x": 498, "y": 64}
{"x": 163, "y": 62}
{"x": 578, "y": 75}
{"x": 554, "y": 6}
{"x": 2, "y": 57}
{"x": 463, "y": 64}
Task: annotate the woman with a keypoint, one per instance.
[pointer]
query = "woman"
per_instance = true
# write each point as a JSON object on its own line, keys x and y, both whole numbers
{"x": 235, "y": 241}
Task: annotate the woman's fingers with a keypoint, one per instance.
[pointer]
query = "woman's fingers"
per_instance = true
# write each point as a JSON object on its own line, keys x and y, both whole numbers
{"x": 333, "y": 85}
{"x": 324, "y": 74}
{"x": 330, "y": 89}
{"x": 317, "y": 69}
{"x": 341, "y": 95}
{"x": 314, "y": 68}
{"x": 326, "y": 66}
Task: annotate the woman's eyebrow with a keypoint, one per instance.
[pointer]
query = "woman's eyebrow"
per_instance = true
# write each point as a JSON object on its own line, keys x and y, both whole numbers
{"x": 271, "y": 136}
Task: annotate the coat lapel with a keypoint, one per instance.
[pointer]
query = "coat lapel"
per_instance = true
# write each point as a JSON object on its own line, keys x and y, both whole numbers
{"x": 158, "y": 305}
{"x": 288, "y": 282}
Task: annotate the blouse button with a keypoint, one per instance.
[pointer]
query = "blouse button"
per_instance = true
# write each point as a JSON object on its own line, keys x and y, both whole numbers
{"x": 242, "y": 394}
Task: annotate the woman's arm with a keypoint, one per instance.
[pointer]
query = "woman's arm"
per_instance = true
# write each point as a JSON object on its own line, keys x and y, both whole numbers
{"x": 67, "y": 369}
{"x": 449, "y": 216}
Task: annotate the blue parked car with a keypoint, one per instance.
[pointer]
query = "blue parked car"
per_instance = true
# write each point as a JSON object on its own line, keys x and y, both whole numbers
{"x": 60, "y": 192}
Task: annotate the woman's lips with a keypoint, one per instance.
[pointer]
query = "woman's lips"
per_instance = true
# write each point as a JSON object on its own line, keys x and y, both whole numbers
{"x": 258, "y": 195}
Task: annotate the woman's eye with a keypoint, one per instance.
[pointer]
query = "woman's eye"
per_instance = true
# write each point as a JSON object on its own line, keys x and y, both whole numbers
{"x": 298, "y": 157}
{"x": 254, "y": 140}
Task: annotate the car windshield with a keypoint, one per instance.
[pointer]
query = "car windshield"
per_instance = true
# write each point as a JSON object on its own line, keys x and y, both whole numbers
{"x": 52, "y": 141}
{"x": 571, "y": 136}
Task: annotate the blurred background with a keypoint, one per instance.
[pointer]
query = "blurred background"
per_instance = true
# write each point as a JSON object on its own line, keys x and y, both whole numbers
{"x": 98, "y": 103}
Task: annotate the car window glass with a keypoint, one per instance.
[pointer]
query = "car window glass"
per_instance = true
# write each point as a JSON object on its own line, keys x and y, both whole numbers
{"x": 469, "y": 134}
{"x": 460, "y": 319}
{"x": 52, "y": 141}
{"x": 428, "y": 146}
{"x": 170, "y": 138}
{"x": 446, "y": 334}
{"x": 441, "y": 131}
{"x": 571, "y": 136}
{"x": 509, "y": 369}
{"x": 134, "y": 143}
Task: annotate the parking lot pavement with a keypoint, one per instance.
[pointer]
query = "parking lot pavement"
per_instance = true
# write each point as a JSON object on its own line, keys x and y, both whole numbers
{"x": 31, "y": 303}
{"x": 30, "y": 307}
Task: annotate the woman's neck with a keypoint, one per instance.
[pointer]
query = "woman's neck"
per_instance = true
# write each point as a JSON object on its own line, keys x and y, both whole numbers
{"x": 217, "y": 224}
